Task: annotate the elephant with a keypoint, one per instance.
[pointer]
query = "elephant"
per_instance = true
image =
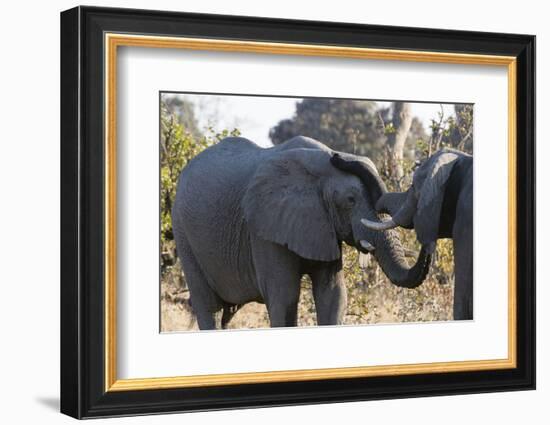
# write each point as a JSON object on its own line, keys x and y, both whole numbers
{"x": 249, "y": 222}
{"x": 438, "y": 204}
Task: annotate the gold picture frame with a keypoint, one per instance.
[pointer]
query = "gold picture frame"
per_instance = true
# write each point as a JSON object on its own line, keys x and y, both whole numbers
{"x": 114, "y": 41}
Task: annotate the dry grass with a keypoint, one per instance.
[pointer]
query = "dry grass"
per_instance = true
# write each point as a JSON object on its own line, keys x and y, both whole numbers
{"x": 372, "y": 298}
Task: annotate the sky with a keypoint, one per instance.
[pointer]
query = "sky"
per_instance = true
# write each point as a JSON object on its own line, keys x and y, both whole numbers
{"x": 255, "y": 115}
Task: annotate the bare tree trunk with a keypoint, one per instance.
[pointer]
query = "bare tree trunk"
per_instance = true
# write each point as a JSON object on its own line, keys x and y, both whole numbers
{"x": 402, "y": 120}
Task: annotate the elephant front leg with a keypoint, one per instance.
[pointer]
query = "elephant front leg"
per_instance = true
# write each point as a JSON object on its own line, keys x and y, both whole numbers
{"x": 463, "y": 306}
{"x": 284, "y": 314}
{"x": 330, "y": 295}
{"x": 278, "y": 277}
{"x": 282, "y": 294}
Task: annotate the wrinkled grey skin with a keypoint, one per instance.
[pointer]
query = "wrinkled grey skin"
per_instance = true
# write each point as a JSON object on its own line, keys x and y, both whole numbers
{"x": 439, "y": 204}
{"x": 249, "y": 222}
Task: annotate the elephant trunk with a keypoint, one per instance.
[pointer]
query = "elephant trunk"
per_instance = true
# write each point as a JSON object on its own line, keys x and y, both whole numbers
{"x": 401, "y": 206}
{"x": 388, "y": 250}
{"x": 391, "y": 202}
{"x": 391, "y": 256}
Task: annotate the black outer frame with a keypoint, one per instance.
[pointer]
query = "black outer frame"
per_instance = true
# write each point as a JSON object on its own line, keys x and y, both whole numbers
{"x": 82, "y": 217}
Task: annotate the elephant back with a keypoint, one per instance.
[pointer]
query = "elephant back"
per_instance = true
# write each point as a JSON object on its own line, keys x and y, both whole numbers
{"x": 209, "y": 181}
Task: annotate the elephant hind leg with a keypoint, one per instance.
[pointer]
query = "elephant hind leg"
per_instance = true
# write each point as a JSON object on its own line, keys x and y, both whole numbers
{"x": 204, "y": 301}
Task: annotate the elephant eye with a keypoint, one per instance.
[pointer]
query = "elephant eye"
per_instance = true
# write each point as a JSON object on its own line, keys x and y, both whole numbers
{"x": 351, "y": 199}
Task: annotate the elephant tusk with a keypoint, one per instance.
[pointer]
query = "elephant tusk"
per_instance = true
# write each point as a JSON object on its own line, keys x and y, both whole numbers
{"x": 366, "y": 245}
{"x": 379, "y": 225}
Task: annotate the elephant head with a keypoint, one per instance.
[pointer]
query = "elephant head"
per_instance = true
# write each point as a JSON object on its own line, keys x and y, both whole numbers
{"x": 423, "y": 206}
{"x": 299, "y": 200}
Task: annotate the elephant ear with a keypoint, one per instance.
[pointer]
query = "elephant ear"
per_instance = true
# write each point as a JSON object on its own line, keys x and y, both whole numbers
{"x": 284, "y": 204}
{"x": 430, "y": 199}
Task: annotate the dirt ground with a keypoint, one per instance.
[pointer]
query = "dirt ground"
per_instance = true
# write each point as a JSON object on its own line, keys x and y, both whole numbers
{"x": 371, "y": 299}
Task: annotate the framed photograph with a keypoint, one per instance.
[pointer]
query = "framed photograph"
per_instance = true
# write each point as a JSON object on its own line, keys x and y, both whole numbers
{"x": 261, "y": 212}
